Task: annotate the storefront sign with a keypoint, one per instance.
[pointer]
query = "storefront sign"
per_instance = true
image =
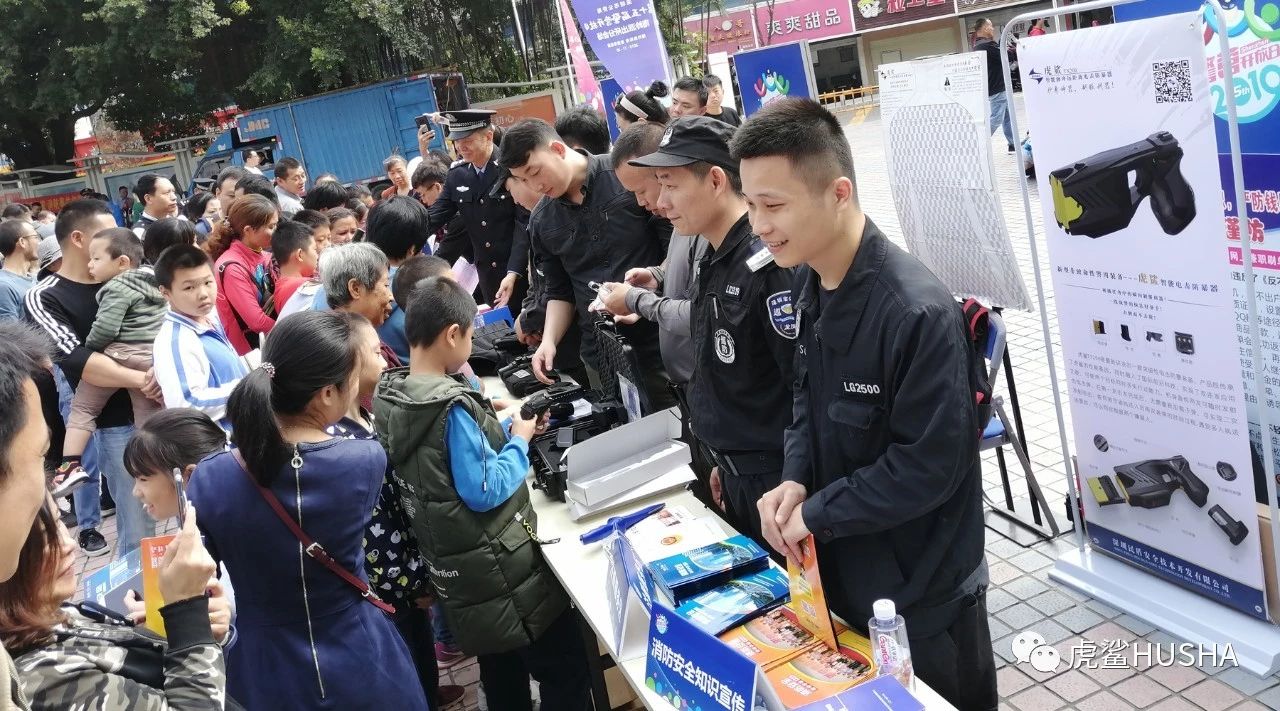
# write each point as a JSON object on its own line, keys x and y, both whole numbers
{"x": 626, "y": 37}
{"x": 1121, "y": 120}
{"x": 770, "y": 73}
{"x": 803, "y": 20}
{"x": 878, "y": 14}
{"x": 966, "y": 7}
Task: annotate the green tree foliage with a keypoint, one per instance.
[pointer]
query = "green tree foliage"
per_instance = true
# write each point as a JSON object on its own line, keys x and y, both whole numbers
{"x": 162, "y": 66}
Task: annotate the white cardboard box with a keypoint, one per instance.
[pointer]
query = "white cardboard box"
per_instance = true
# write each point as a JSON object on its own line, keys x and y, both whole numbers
{"x": 620, "y": 460}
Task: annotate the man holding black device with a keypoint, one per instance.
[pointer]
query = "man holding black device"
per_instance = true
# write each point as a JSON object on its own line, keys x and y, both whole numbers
{"x": 590, "y": 230}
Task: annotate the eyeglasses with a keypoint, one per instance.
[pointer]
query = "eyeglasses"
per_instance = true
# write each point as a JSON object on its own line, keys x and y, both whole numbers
{"x": 33, "y": 235}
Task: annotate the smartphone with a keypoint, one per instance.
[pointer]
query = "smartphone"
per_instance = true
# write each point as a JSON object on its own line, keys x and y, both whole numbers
{"x": 181, "y": 488}
{"x": 423, "y": 120}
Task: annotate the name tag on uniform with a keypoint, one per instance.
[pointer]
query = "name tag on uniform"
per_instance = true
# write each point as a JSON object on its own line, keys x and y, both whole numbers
{"x": 732, "y": 290}
{"x": 860, "y": 390}
{"x": 760, "y": 257}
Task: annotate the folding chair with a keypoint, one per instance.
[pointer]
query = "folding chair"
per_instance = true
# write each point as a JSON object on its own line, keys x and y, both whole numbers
{"x": 999, "y": 433}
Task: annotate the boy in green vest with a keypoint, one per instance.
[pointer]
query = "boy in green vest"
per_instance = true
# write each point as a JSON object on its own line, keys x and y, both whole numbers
{"x": 463, "y": 480}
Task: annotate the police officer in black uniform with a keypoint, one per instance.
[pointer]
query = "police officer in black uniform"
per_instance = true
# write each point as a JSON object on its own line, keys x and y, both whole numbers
{"x": 744, "y": 327}
{"x": 882, "y": 457}
{"x": 475, "y": 189}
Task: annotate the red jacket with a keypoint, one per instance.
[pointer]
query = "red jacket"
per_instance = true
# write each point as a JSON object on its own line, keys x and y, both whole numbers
{"x": 239, "y": 309}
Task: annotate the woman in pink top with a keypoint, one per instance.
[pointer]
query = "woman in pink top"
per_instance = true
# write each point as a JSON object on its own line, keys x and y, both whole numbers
{"x": 243, "y": 270}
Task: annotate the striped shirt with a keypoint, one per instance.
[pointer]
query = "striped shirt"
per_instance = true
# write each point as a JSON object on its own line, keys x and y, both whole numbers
{"x": 196, "y": 365}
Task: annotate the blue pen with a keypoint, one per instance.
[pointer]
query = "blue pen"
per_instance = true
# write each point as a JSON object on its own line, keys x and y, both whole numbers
{"x": 620, "y": 524}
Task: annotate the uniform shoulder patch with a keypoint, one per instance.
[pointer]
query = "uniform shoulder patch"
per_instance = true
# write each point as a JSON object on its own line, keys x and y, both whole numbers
{"x": 782, "y": 314}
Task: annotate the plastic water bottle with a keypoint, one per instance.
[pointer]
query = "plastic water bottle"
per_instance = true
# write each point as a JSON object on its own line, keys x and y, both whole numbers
{"x": 888, "y": 633}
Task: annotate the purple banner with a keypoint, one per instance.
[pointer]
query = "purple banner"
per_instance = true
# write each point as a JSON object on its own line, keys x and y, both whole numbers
{"x": 625, "y": 36}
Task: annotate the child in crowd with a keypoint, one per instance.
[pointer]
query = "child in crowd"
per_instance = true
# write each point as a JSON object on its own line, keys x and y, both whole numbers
{"x": 195, "y": 365}
{"x": 464, "y": 483}
{"x": 318, "y": 223}
{"x": 304, "y": 295}
{"x": 294, "y": 250}
{"x": 175, "y": 440}
{"x": 130, "y": 311}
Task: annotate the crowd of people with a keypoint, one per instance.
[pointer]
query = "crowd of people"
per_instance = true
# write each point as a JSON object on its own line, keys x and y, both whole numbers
{"x": 296, "y": 353}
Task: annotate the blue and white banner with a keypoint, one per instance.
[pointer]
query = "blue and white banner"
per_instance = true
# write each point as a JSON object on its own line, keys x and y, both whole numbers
{"x": 771, "y": 73}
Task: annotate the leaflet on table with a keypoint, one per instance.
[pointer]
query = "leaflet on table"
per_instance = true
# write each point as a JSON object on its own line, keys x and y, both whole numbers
{"x": 684, "y": 575}
{"x": 108, "y": 586}
{"x": 1123, "y": 124}
{"x": 152, "y": 553}
{"x": 815, "y": 674}
{"x": 771, "y": 638}
{"x": 670, "y": 531}
{"x": 799, "y": 668}
{"x": 807, "y": 597}
{"x": 738, "y": 600}
{"x": 884, "y": 692}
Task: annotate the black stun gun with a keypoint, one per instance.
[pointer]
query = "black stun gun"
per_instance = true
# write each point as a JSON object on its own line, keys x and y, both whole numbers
{"x": 1095, "y": 196}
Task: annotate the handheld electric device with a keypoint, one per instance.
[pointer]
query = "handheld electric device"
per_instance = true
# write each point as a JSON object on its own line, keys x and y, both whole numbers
{"x": 1095, "y": 196}
{"x": 1149, "y": 484}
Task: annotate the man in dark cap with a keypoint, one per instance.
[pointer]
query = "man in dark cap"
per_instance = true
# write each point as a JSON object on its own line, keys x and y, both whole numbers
{"x": 476, "y": 189}
{"x": 744, "y": 327}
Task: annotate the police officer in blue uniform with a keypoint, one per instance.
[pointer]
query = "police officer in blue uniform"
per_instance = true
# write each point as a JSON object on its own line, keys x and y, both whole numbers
{"x": 744, "y": 326}
{"x": 476, "y": 190}
{"x": 882, "y": 460}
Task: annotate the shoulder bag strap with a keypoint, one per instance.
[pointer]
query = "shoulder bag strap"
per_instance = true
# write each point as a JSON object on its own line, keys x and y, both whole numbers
{"x": 313, "y": 549}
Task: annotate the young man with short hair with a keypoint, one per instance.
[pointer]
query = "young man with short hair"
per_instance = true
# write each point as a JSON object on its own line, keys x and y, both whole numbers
{"x": 882, "y": 457}
{"x": 159, "y": 200}
{"x": 583, "y": 127}
{"x": 715, "y": 102}
{"x": 195, "y": 363}
{"x": 744, "y": 326}
{"x": 291, "y": 185}
{"x": 20, "y": 247}
{"x": 588, "y": 229}
{"x": 65, "y": 305}
{"x": 428, "y": 181}
{"x": 464, "y": 475}
{"x": 688, "y": 98}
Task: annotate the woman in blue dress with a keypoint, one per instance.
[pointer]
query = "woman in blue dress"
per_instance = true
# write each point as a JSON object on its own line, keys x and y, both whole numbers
{"x": 307, "y": 639}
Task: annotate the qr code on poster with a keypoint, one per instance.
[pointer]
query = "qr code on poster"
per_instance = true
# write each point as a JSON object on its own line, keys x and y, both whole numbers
{"x": 1173, "y": 81}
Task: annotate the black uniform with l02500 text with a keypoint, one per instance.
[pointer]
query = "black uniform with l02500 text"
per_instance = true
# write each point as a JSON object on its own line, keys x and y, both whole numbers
{"x": 885, "y": 440}
{"x": 744, "y": 330}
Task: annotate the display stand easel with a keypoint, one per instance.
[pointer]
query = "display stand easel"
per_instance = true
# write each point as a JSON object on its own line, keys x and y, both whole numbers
{"x": 1179, "y": 612}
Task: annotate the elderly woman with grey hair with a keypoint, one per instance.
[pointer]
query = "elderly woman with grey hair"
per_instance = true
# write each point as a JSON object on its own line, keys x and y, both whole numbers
{"x": 357, "y": 278}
